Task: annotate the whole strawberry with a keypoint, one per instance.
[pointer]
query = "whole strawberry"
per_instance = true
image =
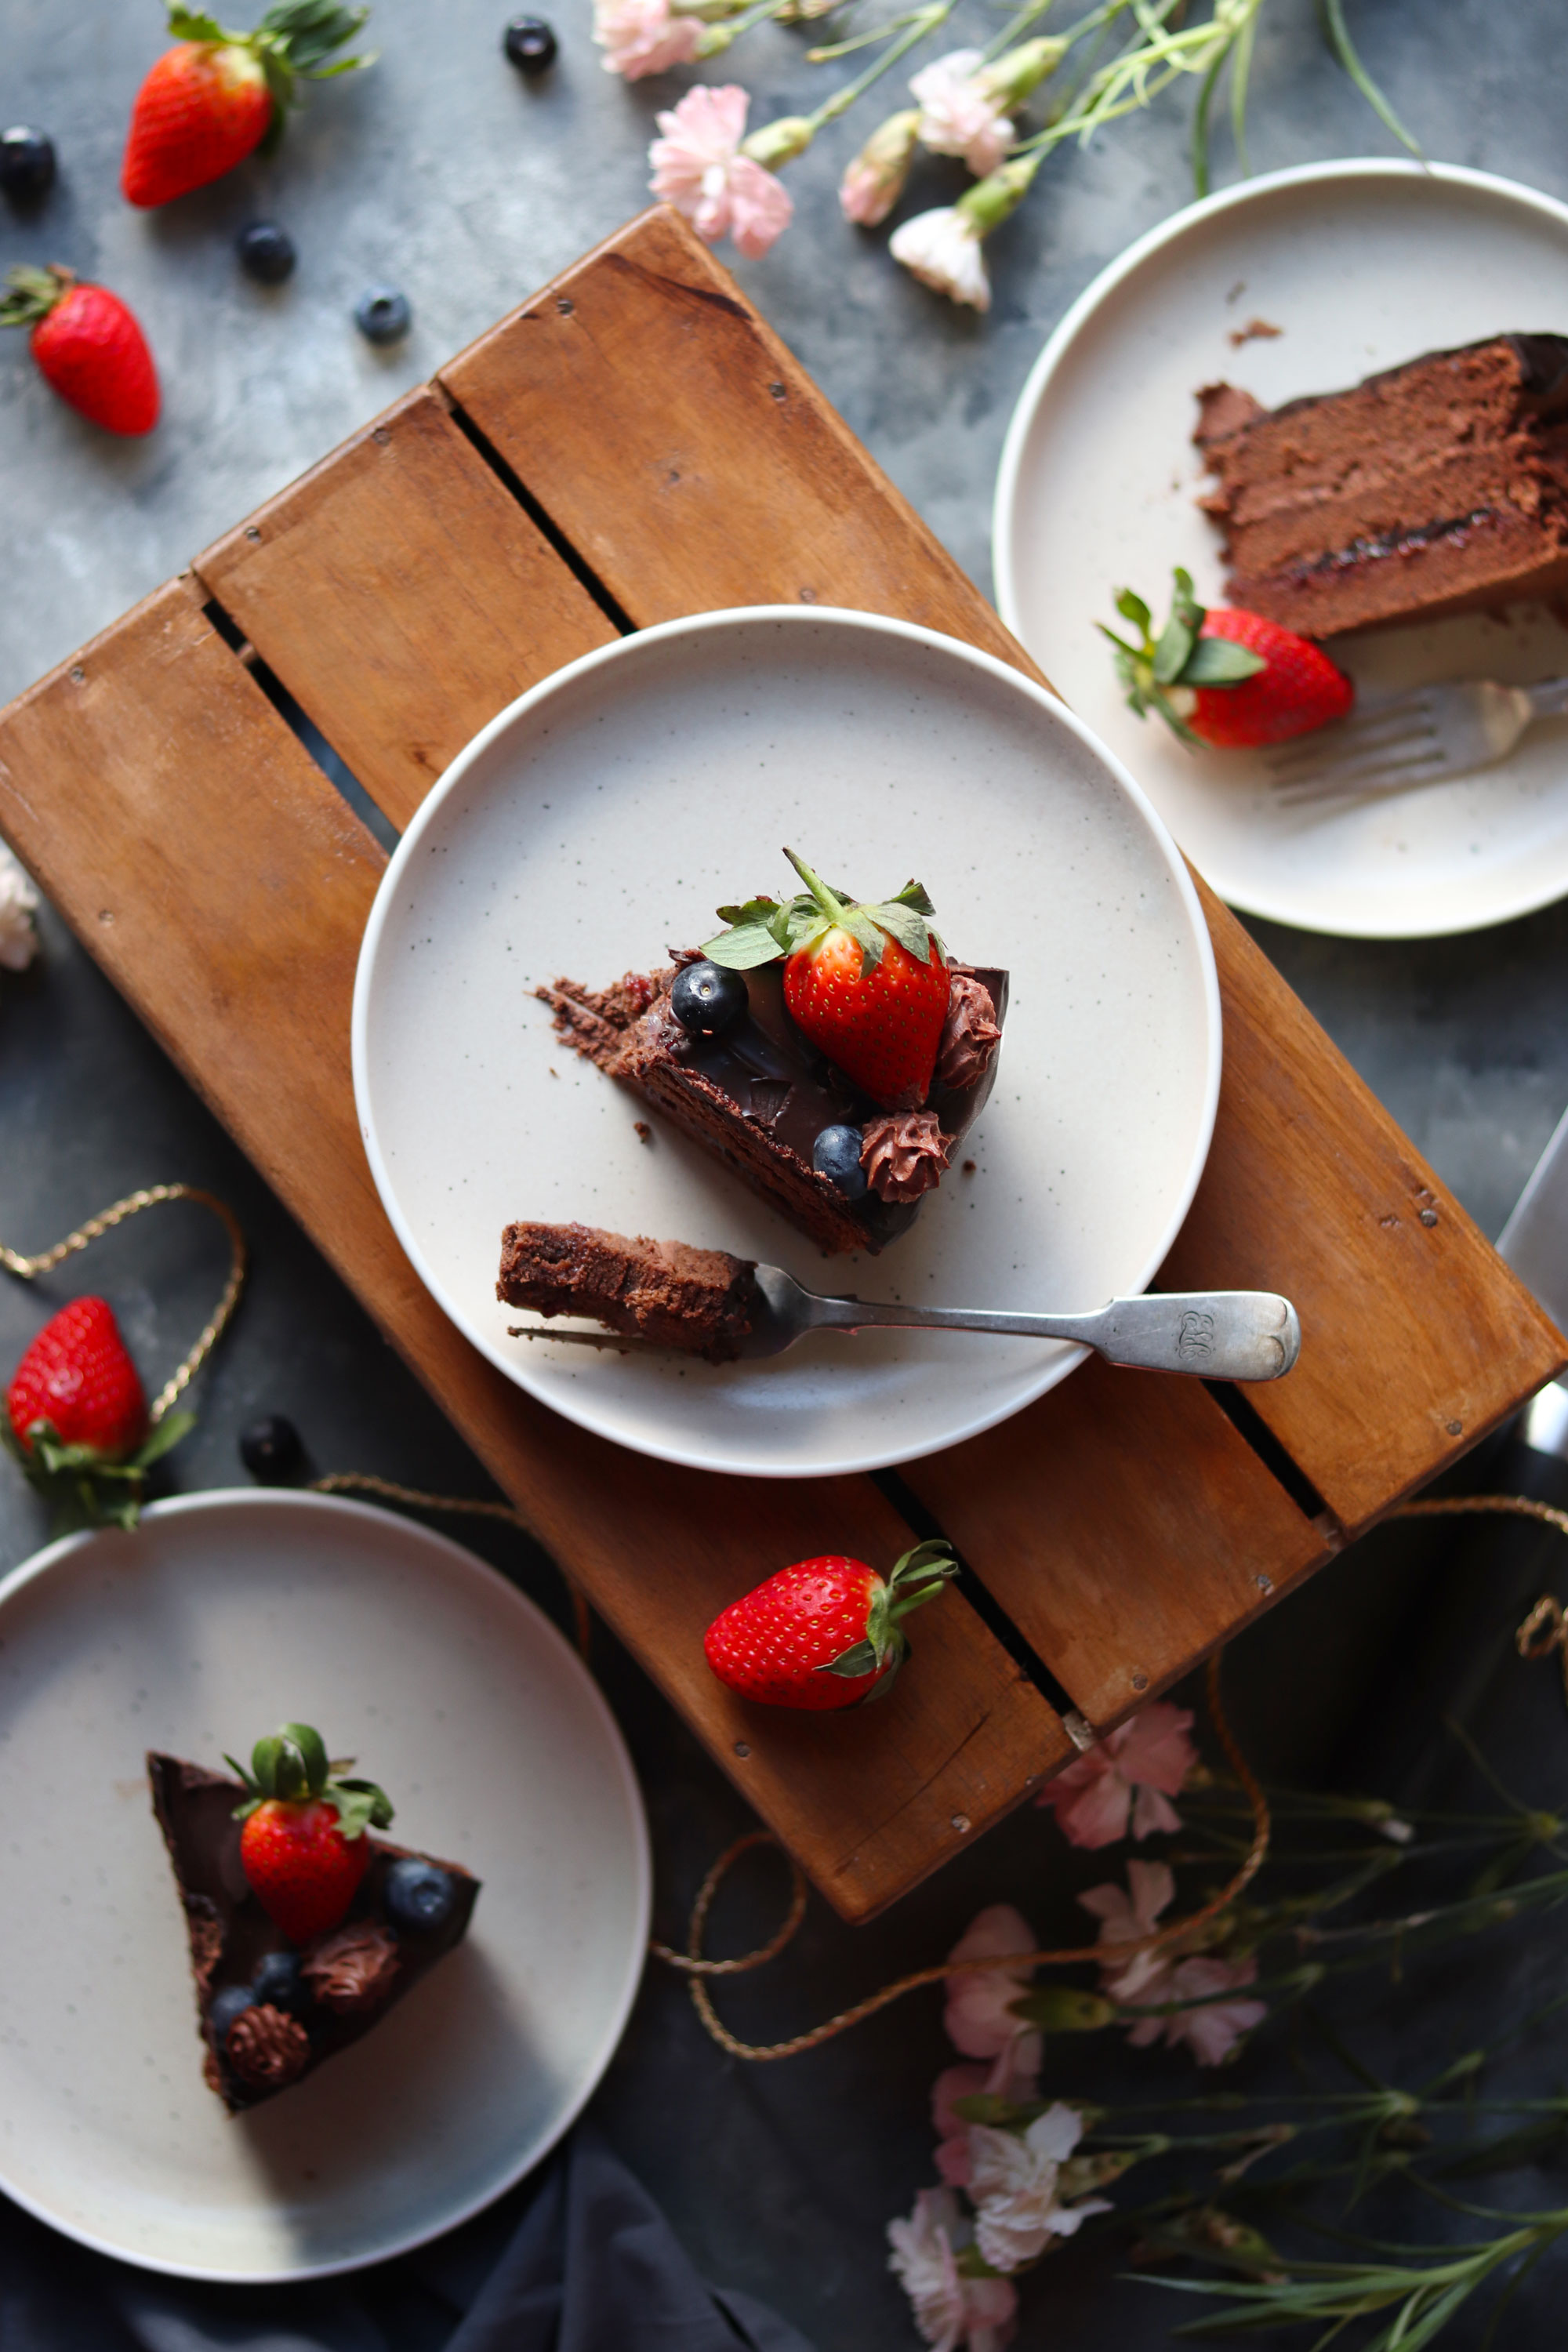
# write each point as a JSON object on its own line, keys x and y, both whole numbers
{"x": 303, "y": 1847}
{"x": 77, "y": 1419}
{"x": 868, "y": 983}
{"x": 209, "y": 102}
{"x": 87, "y": 346}
{"x": 827, "y": 1632}
{"x": 1227, "y": 677}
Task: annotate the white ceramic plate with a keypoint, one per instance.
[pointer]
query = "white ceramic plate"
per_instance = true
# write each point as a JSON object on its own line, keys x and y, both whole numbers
{"x": 221, "y": 1616}
{"x": 610, "y": 812}
{"x": 1362, "y": 265}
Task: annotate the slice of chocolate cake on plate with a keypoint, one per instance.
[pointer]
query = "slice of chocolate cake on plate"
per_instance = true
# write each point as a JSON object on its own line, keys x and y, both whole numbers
{"x": 1438, "y": 487}
{"x": 830, "y": 1054}
{"x": 667, "y": 1292}
{"x": 304, "y": 1929}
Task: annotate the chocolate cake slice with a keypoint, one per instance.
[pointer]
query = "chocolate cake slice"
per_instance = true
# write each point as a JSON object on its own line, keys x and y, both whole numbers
{"x": 759, "y": 1095}
{"x": 668, "y": 1291}
{"x": 271, "y": 2011}
{"x": 1438, "y": 487}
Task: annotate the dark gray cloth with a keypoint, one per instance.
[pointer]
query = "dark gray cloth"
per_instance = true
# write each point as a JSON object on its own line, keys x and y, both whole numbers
{"x": 579, "y": 2259}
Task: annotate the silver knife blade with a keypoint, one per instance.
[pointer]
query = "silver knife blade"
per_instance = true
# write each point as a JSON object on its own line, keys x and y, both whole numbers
{"x": 1534, "y": 1241}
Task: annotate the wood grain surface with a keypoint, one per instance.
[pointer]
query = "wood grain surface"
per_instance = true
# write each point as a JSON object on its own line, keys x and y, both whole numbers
{"x": 406, "y": 596}
{"x": 402, "y": 593}
{"x": 224, "y": 885}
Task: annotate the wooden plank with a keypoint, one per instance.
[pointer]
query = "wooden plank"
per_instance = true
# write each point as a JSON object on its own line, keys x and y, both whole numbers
{"x": 722, "y": 492}
{"x": 1141, "y": 1534}
{"x": 406, "y": 596}
{"x": 1417, "y": 1338}
{"x": 206, "y": 863}
{"x": 688, "y": 457}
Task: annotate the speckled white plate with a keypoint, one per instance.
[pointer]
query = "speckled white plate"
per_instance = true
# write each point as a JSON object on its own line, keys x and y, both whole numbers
{"x": 608, "y": 813}
{"x": 223, "y": 1615}
{"x": 1361, "y": 264}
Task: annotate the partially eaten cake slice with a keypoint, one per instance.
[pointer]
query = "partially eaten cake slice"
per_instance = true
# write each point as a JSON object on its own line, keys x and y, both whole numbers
{"x": 304, "y": 1930}
{"x": 1438, "y": 487}
{"x": 667, "y": 1292}
{"x": 830, "y": 1053}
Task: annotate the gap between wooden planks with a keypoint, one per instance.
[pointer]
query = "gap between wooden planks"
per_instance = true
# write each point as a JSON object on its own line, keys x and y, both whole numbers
{"x": 405, "y": 555}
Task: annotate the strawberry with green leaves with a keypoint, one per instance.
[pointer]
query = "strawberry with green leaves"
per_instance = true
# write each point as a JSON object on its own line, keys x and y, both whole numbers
{"x": 87, "y": 346}
{"x": 1227, "y": 677}
{"x": 219, "y": 95}
{"x": 77, "y": 1419}
{"x": 303, "y": 1847}
{"x": 826, "y": 1633}
{"x": 867, "y": 983}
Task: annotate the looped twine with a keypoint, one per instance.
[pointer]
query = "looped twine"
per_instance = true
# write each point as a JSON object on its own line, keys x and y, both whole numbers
{"x": 692, "y": 1963}
{"x": 1545, "y": 1628}
{"x": 28, "y": 1269}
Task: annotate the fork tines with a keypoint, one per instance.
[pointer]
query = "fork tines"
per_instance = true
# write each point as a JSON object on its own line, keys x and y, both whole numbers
{"x": 1393, "y": 742}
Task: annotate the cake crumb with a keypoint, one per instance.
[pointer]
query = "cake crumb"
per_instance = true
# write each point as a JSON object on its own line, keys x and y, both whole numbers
{"x": 1237, "y": 291}
{"x": 553, "y": 1070}
{"x": 644, "y": 1132}
{"x": 1256, "y": 330}
{"x": 969, "y": 1167}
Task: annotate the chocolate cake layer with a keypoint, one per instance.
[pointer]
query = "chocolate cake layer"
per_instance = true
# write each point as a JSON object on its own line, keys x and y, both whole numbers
{"x": 1438, "y": 487}
{"x": 230, "y": 1933}
{"x": 664, "y": 1291}
{"x": 758, "y": 1096}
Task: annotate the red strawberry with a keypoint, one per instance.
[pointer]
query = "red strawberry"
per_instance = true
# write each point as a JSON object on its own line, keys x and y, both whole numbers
{"x": 303, "y": 1847}
{"x": 1228, "y": 677}
{"x": 87, "y": 346}
{"x": 209, "y": 102}
{"x": 78, "y": 1380}
{"x": 826, "y": 1632}
{"x": 868, "y": 984}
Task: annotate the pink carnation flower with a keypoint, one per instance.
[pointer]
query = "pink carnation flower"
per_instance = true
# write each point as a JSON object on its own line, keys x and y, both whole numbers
{"x": 698, "y": 168}
{"x": 1126, "y": 1918}
{"x": 1132, "y": 1773}
{"x": 1015, "y": 2074}
{"x": 960, "y": 114}
{"x": 642, "y": 37}
{"x": 1213, "y": 2030}
{"x": 1150, "y": 1980}
{"x": 952, "y": 2313}
{"x": 977, "y": 2017}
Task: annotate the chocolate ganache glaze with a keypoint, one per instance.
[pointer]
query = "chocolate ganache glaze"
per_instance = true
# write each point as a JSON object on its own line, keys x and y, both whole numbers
{"x": 760, "y": 1093}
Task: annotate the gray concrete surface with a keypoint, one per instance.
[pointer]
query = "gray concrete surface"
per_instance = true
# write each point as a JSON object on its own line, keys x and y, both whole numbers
{"x": 443, "y": 172}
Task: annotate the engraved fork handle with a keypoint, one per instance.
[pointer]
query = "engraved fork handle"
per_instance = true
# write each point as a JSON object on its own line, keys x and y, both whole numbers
{"x": 1214, "y": 1334}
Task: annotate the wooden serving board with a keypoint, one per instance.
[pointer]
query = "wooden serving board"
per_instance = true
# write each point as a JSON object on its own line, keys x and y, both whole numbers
{"x": 634, "y": 445}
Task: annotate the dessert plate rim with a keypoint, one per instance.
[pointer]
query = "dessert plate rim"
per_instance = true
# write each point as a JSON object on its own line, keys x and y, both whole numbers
{"x": 1275, "y": 899}
{"x": 694, "y": 1450}
{"x": 221, "y": 1503}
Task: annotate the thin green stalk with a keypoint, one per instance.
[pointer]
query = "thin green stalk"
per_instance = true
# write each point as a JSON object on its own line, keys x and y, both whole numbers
{"x": 1340, "y": 43}
{"x": 843, "y": 100}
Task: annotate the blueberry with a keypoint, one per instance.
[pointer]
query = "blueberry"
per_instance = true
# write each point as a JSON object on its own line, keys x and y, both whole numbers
{"x": 270, "y": 1450}
{"x": 26, "y": 165}
{"x": 382, "y": 316}
{"x": 531, "y": 44}
{"x": 706, "y": 999}
{"x": 278, "y": 1984}
{"x": 836, "y": 1154}
{"x": 418, "y": 1897}
{"x": 266, "y": 252}
{"x": 231, "y": 2002}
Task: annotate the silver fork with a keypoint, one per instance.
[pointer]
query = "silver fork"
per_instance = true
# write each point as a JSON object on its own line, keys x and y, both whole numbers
{"x": 1406, "y": 740}
{"x": 1214, "y": 1335}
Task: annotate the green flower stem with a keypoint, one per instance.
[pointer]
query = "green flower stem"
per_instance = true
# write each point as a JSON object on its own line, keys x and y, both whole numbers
{"x": 925, "y": 22}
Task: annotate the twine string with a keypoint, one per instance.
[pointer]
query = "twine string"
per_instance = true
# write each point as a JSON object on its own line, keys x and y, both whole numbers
{"x": 1545, "y": 1628}
{"x": 28, "y": 1269}
{"x": 692, "y": 1963}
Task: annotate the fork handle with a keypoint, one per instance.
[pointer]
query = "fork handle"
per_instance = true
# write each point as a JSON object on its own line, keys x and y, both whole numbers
{"x": 1214, "y": 1335}
{"x": 1549, "y": 698}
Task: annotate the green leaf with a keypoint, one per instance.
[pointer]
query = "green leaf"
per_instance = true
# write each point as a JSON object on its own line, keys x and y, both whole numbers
{"x": 313, "y": 1752}
{"x": 374, "y": 1798}
{"x": 913, "y": 894}
{"x": 166, "y": 1436}
{"x": 196, "y": 25}
{"x": 288, "y": 1777}
{"x": 859, "y": 1660}
{"x": 912, "y": 931}
{"x": 1133, "y": 608}
{"x": 1172, "y": 652}
{"x": 755, "y": 910}
{"x": 1340, "y": 43}
{"x": 1063, "y": 2008}
{"x": 744, "y": 948}
{"x": 264, "y": 1759}
{"x": 866, "y": 936}
{"x": 1215, "y": 661}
